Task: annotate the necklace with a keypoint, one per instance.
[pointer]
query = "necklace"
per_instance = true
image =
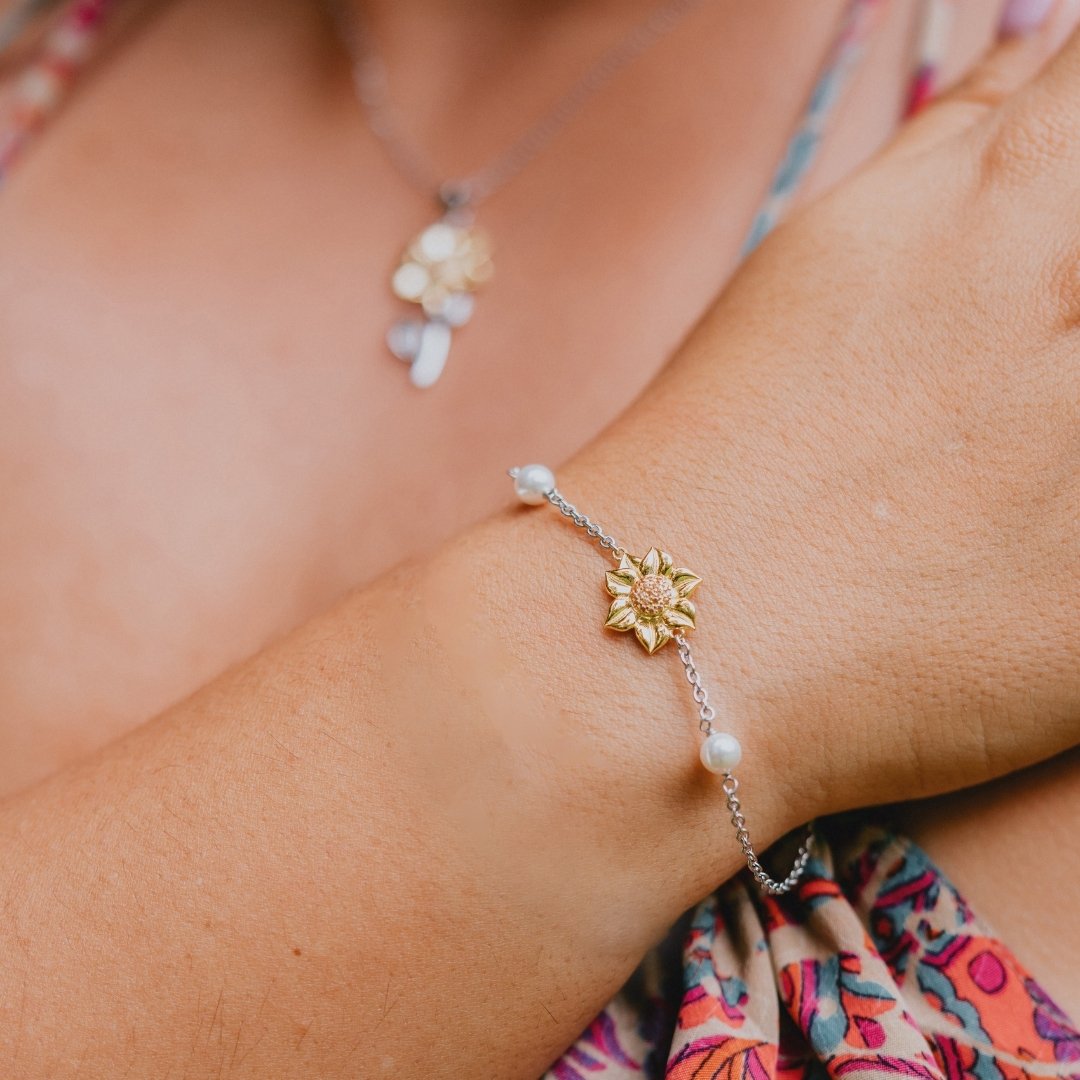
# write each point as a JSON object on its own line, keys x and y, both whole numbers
{"x": 444, "y": 265}
{"x": 44, "y": 82}
{"x": 461, "y": 250}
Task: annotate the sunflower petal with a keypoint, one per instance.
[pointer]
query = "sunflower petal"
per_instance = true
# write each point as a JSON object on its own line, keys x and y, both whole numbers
{"x": 646, "y": 633}
{"x": 665, "y": 564}
{"x": 619, "y": 581}
{"x": 621, "y": 615}
{"x": 685, "y": 581}
{"x": 651, "y": 563}
{"x": 681, "y": 614}
{"x": 653, "y": 635}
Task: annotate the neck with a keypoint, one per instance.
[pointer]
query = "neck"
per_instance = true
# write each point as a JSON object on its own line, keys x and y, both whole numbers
{"x": 498, "y": 11}
{"x": 468, "y": 77}
{"x": 452, "y": 63}
{"x": 465, "y": 32}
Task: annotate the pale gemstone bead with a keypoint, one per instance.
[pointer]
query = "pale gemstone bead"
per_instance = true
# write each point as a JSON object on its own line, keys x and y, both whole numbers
{"x": 404, "y": 338}
{"x": 434, "y": 300}
{"x": 720, "y": 752}
{"x": 438, "y": 241}
{"x": 410, "y": 281}
{"x": 458, "y": 309}
{"x": 431, "y": 358}
{"x": 533, "y": 482}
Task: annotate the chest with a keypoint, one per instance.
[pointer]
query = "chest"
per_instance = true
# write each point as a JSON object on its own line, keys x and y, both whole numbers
{"x": 203, "y": 438}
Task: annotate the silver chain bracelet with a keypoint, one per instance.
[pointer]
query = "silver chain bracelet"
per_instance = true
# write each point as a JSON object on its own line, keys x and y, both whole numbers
{"x": 651, "y": 598}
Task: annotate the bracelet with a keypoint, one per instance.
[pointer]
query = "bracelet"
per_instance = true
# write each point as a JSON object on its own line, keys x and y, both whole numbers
{"x": 651, "y": 597}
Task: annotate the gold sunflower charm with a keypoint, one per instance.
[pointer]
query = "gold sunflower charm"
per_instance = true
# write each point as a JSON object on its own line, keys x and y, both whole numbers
{"x": 651, "y": 598}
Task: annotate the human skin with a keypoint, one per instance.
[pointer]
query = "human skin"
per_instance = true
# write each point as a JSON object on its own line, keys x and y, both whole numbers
{"x": 203, "y": 441}
{"x": 425, "y": 752}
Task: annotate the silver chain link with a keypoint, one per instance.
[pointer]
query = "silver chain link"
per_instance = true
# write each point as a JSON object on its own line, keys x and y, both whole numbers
{"x": 706, "y": 715}
{"x": 753, "y": 863}
{"x": 592, "y": 529}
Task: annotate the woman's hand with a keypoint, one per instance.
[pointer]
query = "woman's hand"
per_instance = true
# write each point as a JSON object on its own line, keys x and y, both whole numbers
{"x": 879, "y": 429}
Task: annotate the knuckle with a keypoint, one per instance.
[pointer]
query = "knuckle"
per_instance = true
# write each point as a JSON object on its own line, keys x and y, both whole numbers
{"x": 986, "y": 88}
{"x": 1022, "y": 146}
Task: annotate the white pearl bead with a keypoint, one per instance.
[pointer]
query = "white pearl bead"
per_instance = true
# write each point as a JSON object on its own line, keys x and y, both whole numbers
{"x": 721, "y": 752}
{"x": 410, "y": 280}
{"x": 438, "y": 241}
{"x": 533, "y": 482}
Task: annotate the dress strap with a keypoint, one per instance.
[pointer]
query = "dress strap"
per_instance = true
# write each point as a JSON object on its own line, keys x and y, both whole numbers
{"x": 848, "y": 49}
{"x": 70, "y": 42}
{"x": 933, "y": 47}
{"x": 42, "y": 86}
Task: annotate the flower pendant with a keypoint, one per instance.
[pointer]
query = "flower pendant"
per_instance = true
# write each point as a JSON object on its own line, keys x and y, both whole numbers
{"x": 651, "y": 598}
{"x": 440, "y": 270}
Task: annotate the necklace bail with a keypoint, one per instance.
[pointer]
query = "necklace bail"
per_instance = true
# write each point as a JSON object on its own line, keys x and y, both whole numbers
{"x": 454, "y": 195}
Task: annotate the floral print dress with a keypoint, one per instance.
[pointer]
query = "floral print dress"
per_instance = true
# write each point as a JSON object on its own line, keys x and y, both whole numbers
{"x": 873, "y": 967}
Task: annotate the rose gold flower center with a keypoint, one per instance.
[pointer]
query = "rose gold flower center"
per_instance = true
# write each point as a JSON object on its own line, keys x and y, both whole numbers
{"x": 652, "y": 595}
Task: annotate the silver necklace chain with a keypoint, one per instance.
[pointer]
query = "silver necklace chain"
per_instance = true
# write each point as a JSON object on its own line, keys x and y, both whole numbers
{"x": 373, "y": 92}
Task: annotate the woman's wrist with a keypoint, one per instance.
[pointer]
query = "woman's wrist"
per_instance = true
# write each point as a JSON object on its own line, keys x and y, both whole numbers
{"x": 786, "y": 629}
{"x": 616, "y": 729}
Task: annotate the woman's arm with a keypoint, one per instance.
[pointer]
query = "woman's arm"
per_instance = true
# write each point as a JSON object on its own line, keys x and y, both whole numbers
{"x": 430, "y": 833}
{"x": 426, "y": 835}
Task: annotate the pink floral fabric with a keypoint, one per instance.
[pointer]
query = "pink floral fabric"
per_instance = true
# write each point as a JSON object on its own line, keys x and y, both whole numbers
{"x": 875, "y": 967}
